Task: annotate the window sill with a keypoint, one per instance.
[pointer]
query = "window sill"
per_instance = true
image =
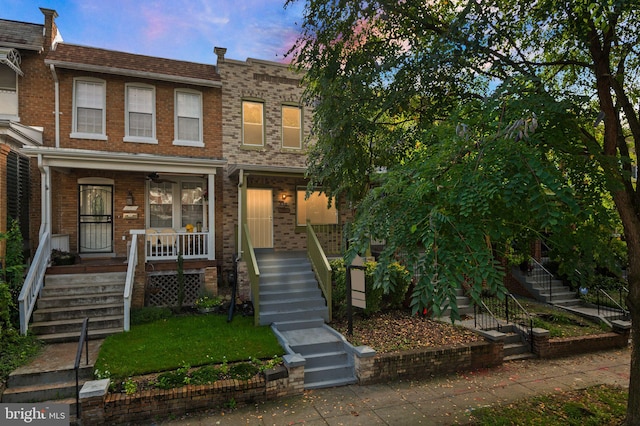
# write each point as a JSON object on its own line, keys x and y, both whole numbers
{"x": 135, "y": 139}
{"x": 93, "y": 136}
{"x": 196, "y": 144}
{"x": 252, "y": 147}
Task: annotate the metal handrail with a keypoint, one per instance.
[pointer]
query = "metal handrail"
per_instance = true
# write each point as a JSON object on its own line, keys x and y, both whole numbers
{"x": 491, "y": 314}
{"x": 34, "y": 281}
{"x": 619, "y": 309}
{"x": 548, "y": 276}
{"x": 320, "y": 265}
{"x": 132, "y": 262}
{"x": 508, "y": 315}
{"x": 249, "y": 257}
{"x": 82, "y": 342}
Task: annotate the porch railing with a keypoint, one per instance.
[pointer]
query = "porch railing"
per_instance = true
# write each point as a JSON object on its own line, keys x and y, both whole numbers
{"x": 166, "y": 245}
{"x": 34, "y": 281}
{"x": 320, "y": 265}
{"x": 132, "y": 262}
{"x": 249, "y": 257}
{"x": 611, "y": 303}
{"x": 330, "y": 238}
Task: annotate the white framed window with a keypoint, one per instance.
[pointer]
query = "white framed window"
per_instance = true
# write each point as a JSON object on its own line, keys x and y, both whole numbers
{"x": 291, "y": 127}
{"x": 252, "y": 123}
{"x": 176, "y": 202}
{"x": 8, "y": 92}
{"x": 315, "y": 209}
{"x": 140, "y": 113}
{"x": 188, "y": 118}
{"x": 89, "y": 106}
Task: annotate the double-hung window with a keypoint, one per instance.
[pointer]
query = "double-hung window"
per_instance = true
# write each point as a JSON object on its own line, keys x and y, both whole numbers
{"x": 252, "y": 123}
{"x": 140, "y": 111}
{"x": 188, "y": 118}
{"x": 89, "y": 104}
{"x": 8, "y": 91}
{"x": 291, "y": 127}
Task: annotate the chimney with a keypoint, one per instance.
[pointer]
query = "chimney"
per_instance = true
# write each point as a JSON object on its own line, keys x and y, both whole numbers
{"x": 51, "y": 34}
{"x": 220, "y": 51}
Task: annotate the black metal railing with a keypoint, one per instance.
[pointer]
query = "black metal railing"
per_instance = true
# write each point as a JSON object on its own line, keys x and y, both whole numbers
{"x": 541, "y": 275}
{"x": 493, "y": 314}
{"x": 612, "y": 303}
{"x": 82, "y": 342}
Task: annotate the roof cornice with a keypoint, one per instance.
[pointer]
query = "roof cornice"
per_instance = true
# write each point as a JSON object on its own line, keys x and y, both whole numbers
{"x": 132, "y": 73}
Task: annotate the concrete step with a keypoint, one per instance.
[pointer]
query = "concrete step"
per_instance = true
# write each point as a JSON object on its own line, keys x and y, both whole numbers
{"x": 75, "y": 324}
{"x": 84, "y": 279}
{"x": 289, "y": 277}
{"x": 326, "y": 359}
{"x": 37, "y": 378}
{"x": 82, "y": 300}
{"x": 299, "y": 325}
{"x": 73, "y": 312}
{"x": 517, "y": 357}
{"x": 40, "y": 392}
{"x": 319, "y": 377}
{"x": 85, "y": 289}
{"x": 74, "y": 336}
{"x": 297, "y": 293}
{"x": 267, "y": 318}
{"x": 285, "y": 305}
{"x": 288, "y": 286}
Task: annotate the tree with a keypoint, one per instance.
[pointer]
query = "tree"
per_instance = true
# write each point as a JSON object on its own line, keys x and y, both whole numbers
{"x": 493, "y": 122}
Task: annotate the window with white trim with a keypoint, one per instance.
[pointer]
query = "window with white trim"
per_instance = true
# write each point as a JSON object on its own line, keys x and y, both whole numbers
{"x": 89, "y": 104}
{"x": 140, "y": 111}
{"x": 188, "y": 118}
{"x": 252, "y": 123}
{"x": 8, "y": 91}
{"x": 315, "y": 209}
{"x": 175, "y": 202}
{"x": 291, "y": 127}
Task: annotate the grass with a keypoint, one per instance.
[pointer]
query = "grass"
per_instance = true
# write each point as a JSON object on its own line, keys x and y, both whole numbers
{"x": 594, "y": 406}
{"x": 192, "y": 340}
{"x": 561, "y": 323}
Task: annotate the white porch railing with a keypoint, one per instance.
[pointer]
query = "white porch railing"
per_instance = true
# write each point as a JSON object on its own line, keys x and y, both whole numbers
{"x": 34, "y": 281}
{"x": 132, "y": 262}
{"x": 165, "y": 245}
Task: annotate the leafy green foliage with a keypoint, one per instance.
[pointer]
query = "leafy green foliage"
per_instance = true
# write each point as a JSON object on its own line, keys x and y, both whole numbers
{"x": 377, "y": 297}
{"x": 149, "y": 314}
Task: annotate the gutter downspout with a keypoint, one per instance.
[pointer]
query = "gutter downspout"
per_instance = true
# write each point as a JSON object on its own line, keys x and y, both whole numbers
{"x": 57, "y": 103}
{"x": 240, "y": 183}
{"x": 45, "y": 188}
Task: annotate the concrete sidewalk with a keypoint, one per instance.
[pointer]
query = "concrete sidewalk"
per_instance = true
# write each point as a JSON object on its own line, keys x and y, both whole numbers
{"x": 439, "y": 401}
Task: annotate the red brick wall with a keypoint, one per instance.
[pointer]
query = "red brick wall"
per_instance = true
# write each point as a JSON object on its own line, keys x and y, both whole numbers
{"x": 567, "y": 346}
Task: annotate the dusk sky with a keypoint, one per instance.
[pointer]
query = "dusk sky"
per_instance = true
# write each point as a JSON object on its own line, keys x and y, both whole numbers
{"x": 175, "y": 29}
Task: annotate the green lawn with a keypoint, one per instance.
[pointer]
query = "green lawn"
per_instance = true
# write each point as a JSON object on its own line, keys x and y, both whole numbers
{"x": 192, "y": 340}
{"x": 593, "y": 406}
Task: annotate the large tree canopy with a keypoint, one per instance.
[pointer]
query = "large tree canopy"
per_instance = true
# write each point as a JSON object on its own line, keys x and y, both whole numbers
{"x": 458, "y": 127}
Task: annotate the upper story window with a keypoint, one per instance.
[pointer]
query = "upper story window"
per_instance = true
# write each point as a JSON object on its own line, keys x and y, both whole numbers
{"x": 188, "y": 119}
{"x": 140, "y": 113}
{"x": 89, "y": 105}
{"x": 252, "y": 123}
{"x": 8, "y": 91}
{"x": 291, "y": 127}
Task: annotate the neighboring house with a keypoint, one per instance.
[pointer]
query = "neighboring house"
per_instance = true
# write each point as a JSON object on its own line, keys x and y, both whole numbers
{"x": 22, "y": 49}
{"x": 131, "y": 146}
{"x": 266, "y": 131}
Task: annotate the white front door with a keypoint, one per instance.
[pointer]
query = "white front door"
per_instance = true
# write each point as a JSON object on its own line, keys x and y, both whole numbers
{"x": 260, "y": 217}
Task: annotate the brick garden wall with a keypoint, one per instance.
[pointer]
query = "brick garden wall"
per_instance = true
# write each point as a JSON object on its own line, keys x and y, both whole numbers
{"x": 560, "y": 347}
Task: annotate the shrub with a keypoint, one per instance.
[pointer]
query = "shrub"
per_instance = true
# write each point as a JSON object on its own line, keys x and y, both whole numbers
{"x": 375, "y": 296}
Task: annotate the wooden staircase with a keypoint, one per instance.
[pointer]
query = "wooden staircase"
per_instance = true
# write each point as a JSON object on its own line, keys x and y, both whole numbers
{"x": 67, "y": 299}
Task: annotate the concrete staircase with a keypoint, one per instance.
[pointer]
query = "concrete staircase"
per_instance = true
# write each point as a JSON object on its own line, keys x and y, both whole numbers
{"x": 67, "y": 299}
{"x": 515, "y": 345}
{"x": 50, "y": 377}
{"x": 465, "y": 307}
{"x": 291, "y": 301}
{"x": 536, "y": 282}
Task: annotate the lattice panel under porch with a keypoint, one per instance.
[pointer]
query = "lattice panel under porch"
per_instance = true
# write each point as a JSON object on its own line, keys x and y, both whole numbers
{"x": 162, "y": 288}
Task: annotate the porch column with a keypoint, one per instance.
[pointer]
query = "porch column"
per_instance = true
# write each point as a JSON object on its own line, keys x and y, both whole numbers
{"x": 211, "y": 246}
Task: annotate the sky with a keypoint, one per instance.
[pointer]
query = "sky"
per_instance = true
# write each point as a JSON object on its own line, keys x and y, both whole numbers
{"x": 175, "y": 29}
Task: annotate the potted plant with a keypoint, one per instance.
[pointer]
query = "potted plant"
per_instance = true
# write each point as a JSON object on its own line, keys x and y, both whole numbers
{"x": 206, "y": 304}
{"x": 59, "y": 257}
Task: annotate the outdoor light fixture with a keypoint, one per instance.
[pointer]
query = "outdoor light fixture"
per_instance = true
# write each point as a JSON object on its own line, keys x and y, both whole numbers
{"x": 129, "y": 198}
